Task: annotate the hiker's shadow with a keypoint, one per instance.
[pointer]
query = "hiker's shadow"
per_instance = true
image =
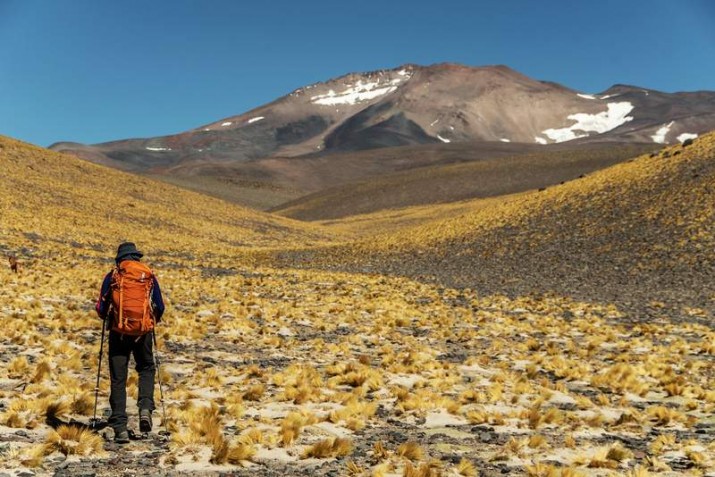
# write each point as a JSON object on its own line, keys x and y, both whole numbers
{"x": 93, "y": 425}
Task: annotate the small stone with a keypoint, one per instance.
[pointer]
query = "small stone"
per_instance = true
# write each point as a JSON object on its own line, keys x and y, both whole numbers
{"x": 285, "y": 331}
{"x": 204, "y": 313}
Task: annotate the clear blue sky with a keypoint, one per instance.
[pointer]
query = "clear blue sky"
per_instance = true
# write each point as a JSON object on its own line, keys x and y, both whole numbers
{"x": 96, "y": 70}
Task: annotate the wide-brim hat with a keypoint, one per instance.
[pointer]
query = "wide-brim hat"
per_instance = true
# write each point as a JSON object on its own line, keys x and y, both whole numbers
{"x": 126, "y": 249}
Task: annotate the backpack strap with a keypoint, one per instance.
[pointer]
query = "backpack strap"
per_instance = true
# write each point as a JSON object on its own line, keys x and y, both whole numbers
{"x": 122, "y": 321}
{"x": 149, "y": 285}
{"x": 118, "y": 281}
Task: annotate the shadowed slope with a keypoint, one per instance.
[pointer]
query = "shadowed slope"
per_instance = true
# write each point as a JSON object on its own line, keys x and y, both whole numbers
{"x": 485, "y": 175}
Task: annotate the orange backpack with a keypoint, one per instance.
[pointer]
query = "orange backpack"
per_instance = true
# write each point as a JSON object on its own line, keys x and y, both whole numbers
{"x": 132, "y": 284}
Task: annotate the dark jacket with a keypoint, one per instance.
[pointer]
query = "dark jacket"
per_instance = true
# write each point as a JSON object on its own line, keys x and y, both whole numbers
{"x": 105, "y": 298}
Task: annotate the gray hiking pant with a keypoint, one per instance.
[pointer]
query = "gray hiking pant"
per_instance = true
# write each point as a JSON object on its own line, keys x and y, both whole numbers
{"x": 120, "y": 347}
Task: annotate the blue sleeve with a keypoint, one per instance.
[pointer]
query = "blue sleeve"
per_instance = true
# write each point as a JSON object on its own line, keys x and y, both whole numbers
{"x": 104, "y": 300}
{"x": 157, "y": 301}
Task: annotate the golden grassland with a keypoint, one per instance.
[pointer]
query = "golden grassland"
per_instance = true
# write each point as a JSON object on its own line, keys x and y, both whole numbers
{"x": 382, "y": 225}
{"x": 282, "y": 370}
{"x": 641, "y": 234}
{"x": 685, "y": 208}
{"x": 47, "y": 196}
{"x": 273, "y": 367}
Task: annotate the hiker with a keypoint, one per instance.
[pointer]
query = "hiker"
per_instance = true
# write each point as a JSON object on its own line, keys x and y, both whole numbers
{"x": 131, "y": 298}
{"x": 13, "y": 263}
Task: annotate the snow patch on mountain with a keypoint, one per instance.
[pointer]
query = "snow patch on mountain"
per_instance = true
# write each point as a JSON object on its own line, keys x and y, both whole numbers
{"x": 586, "y": 96}
{"x": 157, "y": 148}
{"x": 540, "y": 140}
{"x": 227, "y": 123}
{"x": 443, "y": 139}
{"x": 614, "y": 116}
{"x": 361, "y": 91}
{"x": 256, "y": 119}
{"x": 660, "y": 134}
{"x": 685, "y": 136}
{"x": 505, "y": 140}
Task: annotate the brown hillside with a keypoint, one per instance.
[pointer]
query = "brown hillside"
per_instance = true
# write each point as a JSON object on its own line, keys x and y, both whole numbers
{"x": 479, "y": 174}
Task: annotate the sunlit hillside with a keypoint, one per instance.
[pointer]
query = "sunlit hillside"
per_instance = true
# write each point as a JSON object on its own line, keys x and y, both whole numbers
{"x": 48, "y": 198}
{"x": 271, "y": 371}
{"x": 629, "y": 233}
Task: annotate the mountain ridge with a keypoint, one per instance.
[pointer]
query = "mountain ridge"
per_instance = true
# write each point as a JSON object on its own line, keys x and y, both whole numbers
{"x": 271, "y": 155}
{"x": 414, "y": 104}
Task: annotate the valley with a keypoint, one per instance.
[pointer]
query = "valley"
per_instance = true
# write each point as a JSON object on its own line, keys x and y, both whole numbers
{"x": 566, "y": 331}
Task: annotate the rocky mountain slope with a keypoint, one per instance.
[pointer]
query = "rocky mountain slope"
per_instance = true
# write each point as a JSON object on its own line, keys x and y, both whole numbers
{"x": 419, "y": 105}
{"x": 409, "y": 105}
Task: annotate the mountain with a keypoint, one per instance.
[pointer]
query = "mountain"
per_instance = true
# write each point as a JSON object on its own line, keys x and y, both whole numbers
{"x": 417, "y": 105}
{"x": 364, "y": 126}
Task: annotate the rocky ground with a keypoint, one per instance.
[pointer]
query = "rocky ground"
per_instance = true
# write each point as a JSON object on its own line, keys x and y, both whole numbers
{"x": 278, "y": 372}
{"x": 270, "y": 370}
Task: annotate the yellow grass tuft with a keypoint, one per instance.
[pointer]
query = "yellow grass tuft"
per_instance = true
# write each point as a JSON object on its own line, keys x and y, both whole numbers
{"x": 537, "y": 441}
{"x": 255, "y": 392}
{"x": 662, "y": 416}
{"x": 71, "y": 440}
{"x": 219, "y": 448}
{"x": 239, "y": 453}
{"x": 354, "y": 469}
{"x": 638, "y": 471}
{"x": 541, "y": 469}
{"x": 379, "y": 451}
{"x": 292, "y": 425}
{"x": 42, "y": 371}
{"x": 424, "y": 470}
{"x": 34, "y": 456}
{"x": 411, "y": 450}
{"x": 82, "y": 404}
{"x": 477, "y": 416}
{"x": 698, "y": 459}
{"x": 466, "y": 468}
{"x": 332, "y": 447}
{"x": 251, "y": 436}
{"x": 18, "y": 367}
{"x": 618, "y": 453}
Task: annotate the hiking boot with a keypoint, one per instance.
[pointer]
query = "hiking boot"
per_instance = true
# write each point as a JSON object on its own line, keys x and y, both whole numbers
{"x": 121, "y": 437}
{"x": 145, "y": 420}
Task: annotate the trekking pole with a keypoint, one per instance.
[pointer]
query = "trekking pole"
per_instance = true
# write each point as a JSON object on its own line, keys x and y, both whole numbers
{"x": 99, "y": 367}
{"x": 161, "y": 387}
